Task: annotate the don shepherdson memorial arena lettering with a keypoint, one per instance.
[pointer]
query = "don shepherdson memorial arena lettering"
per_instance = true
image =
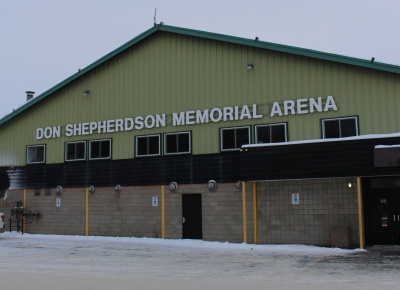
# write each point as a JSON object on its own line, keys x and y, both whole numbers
{"x": 181, "y": 133}
{"x": 300, "y": 106}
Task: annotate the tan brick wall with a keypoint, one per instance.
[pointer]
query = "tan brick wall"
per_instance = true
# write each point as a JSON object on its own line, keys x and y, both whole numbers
{"x": 324, "y": 203}
{"x": 131, "y": 213}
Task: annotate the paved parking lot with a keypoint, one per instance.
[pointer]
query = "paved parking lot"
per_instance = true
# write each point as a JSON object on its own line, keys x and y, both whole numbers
{"x": 76, "y": 262}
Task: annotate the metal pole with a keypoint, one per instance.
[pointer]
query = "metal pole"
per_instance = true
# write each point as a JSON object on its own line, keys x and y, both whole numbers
{"x": 360, "y": 213}
{"x": 162, "y": 193}
{"x": 244, "y": 212}
{"x": 255, "y": 225}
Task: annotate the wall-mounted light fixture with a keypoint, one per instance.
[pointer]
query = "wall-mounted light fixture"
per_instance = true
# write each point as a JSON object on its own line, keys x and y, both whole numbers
{"x": 91, "y": 189}
{"x": 117, "y": 188}
{"x": 211, "y": 185}
{"x": 86, "y": 92}
{"x": 250, "y": 66}
{"x": 173, "y": 186}
{"x": 238, "y": 184}
{"x": 59, "y": 190}
{"x": 349, "y": 185}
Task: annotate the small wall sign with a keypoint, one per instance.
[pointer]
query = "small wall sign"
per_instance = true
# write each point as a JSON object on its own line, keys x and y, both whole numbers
{"x": 58, "y": 202}
{"x": 295, "y": 198}
{"x": 155, "y": 201}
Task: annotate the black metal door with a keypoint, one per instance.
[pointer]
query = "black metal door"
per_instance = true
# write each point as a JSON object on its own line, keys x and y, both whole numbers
{"x": 386, "y": 217}
{"x": 192, "y": 216}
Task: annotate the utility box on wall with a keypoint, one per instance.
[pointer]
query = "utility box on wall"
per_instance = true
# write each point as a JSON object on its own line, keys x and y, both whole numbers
{"x": 341, "y": 237}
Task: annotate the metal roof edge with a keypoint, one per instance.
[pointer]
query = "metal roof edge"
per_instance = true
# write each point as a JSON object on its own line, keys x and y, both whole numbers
{"x": 285, "y": 48}
{"x": 208, "y": 35}
{"x": 329, "y": 140}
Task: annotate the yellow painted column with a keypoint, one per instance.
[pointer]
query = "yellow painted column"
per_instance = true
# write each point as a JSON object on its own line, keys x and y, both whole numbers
{"x": 244, "y": 212}
{"x": 255, "y": 224}
{"x": 23, "y": 217}
{"x": 162, "y": 211}
{"x": 360, "y": 213}
{"x": 87, "y": 212}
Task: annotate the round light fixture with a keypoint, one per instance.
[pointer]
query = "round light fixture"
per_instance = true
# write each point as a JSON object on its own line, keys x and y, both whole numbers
{"x": 59, "y": 190}
{"x": 211, "y": 185}
{"x": 173, "y": 186}
{"x": 117, "y": 188}
{"x": 91, "y": 189}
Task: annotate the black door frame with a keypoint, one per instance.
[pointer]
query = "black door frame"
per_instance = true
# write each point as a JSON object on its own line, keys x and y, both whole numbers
{"x": 192, "y": 220}
{"x": 379, "y": 195}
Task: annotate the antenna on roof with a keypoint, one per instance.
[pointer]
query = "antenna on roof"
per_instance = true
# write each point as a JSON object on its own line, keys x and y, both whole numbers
{"x": 155, "y": 14}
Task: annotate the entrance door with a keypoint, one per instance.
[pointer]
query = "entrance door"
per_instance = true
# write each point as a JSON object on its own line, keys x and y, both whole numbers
{"x": 386, "y": 217}
{"x": 192, "y": 216}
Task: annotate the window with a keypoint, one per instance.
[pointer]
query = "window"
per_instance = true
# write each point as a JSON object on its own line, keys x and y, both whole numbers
{"x": 339, "y": 127}
{"x": 35, "y": 154}
{"x": 100, "y": 149}
{"x": 234, "y": 138}
{"x": 271, "y": 133}
{"x": 148, "y": 145}
{"x": 75, "y": 151}
{"x": 177, "y": 143}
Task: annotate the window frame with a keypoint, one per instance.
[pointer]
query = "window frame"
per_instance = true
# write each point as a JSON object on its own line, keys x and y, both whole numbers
{"x": 340, "y": 133}
{"x": 99, "y": 140}
{"x": 36, "y": 146}
{"x": 285, "y": 124}
{"x": 232, "y": 128}
{"x": 66, "y": 151}
{"x": 177, "y": 133}
{"x": 143, "y": 136}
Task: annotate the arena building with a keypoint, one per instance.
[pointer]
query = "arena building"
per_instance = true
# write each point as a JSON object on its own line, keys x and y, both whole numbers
{"x": 188, "y": 134}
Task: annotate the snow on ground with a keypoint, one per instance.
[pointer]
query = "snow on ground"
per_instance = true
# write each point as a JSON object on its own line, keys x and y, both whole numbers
{"x": 78, "y": 262}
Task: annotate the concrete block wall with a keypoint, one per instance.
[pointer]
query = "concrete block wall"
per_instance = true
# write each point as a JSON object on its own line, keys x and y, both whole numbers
{"x": 324, "y": 203}
{"x": 69, "y": 219}
{"x": 131, "y": 213}
{"x": 127, "y": 213}
{"x": 222, "y": 213}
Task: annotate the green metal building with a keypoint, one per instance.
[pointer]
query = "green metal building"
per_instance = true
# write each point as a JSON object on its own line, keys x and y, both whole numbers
{"x": 189, "y": 134}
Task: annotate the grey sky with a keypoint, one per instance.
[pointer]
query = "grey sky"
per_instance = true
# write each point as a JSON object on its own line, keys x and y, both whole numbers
{"x": 44, "y": 42}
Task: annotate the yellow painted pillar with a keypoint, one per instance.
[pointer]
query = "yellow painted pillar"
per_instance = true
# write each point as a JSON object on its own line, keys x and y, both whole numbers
{"x": 255, "y": 225}
{"x": 162, "y": 193}
{"x": 244, "y": 212}
{"x": 23, "y": 217}
{"x": 87, "y": 212}
{"x": 360, "y": 213}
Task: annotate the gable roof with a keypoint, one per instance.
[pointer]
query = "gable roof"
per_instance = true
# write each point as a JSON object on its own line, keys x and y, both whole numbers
{"x": 213, "y": 36}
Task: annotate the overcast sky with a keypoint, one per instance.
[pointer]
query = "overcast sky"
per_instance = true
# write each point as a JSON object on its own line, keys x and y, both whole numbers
{"x": 43, "y": 42}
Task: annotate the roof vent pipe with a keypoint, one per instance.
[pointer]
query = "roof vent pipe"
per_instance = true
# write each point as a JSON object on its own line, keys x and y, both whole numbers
{"x": 29, "y": 95}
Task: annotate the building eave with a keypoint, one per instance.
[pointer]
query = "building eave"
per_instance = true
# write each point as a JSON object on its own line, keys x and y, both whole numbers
{"x": 207, "y": 35}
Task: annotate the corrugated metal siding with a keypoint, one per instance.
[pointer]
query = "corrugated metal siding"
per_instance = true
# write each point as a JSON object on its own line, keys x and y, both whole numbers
{"x": 315, "y": 160}
{"x": 184, "y": 169}
{"x": 168, "y": 73}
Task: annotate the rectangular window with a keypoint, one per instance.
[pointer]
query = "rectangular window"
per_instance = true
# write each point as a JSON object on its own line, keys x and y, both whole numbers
{"x": 148, "y": 145}
{"x": 339, "y": 127}
{"x": 271, "y": 133}
{"x": 177, "y": 143}
{"x": 234, "y": 138}
{"x": 75, "y": 151}
{"x": 100, "y": 149}
{"x": 35, "y": 154}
